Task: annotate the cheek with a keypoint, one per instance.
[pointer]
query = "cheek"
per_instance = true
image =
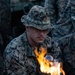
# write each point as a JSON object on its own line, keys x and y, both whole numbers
{"x": 31, "y": 33}
{"x": 34, "y": 35}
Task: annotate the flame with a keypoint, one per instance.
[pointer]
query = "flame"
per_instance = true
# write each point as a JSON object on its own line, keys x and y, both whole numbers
{"x": 49, "y": 67}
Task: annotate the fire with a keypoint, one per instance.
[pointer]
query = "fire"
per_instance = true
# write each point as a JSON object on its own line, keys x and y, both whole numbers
{"x": 46, "y": 66}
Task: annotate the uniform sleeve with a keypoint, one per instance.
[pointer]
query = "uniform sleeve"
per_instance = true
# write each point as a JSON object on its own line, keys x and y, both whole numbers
{"x": 14, "y": 63}
{"x": 50, "y": 6}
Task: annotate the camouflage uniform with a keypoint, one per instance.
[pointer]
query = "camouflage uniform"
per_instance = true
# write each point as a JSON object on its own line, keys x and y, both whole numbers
{"x": 5, "y": 19}
{"x": 67, "y": 45}
{"x": 19, "y": 55}
{"x": 20, "y": 58}
{"x": 5, "y": 28}
{"x": 61, "y": 14}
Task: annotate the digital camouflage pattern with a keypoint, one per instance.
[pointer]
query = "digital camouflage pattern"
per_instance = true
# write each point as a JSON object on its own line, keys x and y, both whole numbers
{"x": 62, "y": 16}
{"x": 67, "y": 45}
{"x": 20, "y": 58}
{"x": 5, "y": 29}
{"x": 37, "y": 19}
{"x": 5, "y": 16}
{"x": 5, "y": 19}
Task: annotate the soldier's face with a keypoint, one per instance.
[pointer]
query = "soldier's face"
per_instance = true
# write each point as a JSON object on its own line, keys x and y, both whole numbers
{"x": 36, "y": 36}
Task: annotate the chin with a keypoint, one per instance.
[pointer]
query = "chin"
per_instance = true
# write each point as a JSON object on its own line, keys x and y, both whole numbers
{"x": 39, "y": 41}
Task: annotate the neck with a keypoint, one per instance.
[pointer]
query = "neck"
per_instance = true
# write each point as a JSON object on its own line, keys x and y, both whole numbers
{"x": 31, "y": 41}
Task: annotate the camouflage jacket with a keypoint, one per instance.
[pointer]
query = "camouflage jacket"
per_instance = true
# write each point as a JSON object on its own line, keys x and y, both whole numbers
{"x": 20, "y": 58}
{"x": 67, "y": 45}
{"x": 5, "y": 17}
{"x": 62, "y": 16}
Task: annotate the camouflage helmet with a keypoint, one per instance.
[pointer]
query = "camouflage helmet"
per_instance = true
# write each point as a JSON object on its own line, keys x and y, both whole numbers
{"x": 37, "y": 18}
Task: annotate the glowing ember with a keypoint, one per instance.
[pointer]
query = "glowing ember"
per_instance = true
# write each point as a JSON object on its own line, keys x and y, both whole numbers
{"x": 47, "y": 66}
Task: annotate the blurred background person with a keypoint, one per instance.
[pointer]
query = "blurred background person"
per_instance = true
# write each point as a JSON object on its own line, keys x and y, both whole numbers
{"x": 5, "y": 29}
{"x": 62, "y": 16}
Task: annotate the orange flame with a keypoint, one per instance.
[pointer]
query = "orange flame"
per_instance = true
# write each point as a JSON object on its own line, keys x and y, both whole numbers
{"x": 46, "y": 66}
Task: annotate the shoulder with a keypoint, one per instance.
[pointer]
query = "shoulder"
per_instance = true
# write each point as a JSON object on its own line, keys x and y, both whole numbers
{"x": 16, "y": 43}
